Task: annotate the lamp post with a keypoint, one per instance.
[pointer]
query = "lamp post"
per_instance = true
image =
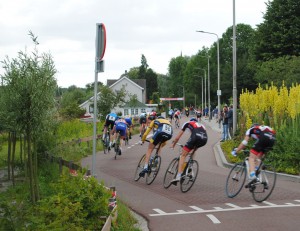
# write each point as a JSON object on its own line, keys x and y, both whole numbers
{"x": 218, "y": 50}
{"x": 183, "y": 95}
{"x": 201, "y": 93}
{"x": 234, "y": 91}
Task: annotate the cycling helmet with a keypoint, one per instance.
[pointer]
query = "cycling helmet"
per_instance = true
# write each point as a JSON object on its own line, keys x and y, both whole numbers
{"x": 153, "y": 113}
{"x": 254, "y": 125}
{"x": 161, "y": 117}
{"x": 193, "y": 119}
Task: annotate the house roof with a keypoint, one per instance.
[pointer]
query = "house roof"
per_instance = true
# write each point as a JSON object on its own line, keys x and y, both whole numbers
{"x": 141, "y": 83}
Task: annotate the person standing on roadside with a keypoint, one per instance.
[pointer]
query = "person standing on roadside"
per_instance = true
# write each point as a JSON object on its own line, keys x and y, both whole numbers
{"x": 230, "y": 121}
{"x": 225, "y": 123}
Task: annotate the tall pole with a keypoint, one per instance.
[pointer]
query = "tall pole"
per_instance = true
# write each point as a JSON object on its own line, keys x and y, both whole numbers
{"x": 234, "y": 91}
{"x": 218, "y": 91}
{"x": 204, "y": 89}
{"x": 202, "y": 96}
{"x": 208, "y": 83}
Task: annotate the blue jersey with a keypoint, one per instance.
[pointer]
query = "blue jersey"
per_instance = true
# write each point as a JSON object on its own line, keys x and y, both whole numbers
{"x": 112, "y": 117}
{"x": 128, "y": 121}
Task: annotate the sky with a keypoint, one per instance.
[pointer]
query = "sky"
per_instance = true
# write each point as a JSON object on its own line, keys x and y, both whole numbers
{"x": 159, "y": 29}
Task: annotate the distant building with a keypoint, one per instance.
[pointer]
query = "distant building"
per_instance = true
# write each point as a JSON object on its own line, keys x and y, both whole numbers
{"x": 134, "y": 87}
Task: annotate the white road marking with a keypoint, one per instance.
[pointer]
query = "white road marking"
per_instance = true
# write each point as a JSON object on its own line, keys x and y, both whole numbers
{"x": 234, "y": 208}
{"x": 232, "y": 205}
{"x": 159, "y": 211}
{"x": 297, "y": 200}
{"x": 218, "y": 208}
{"x": 196, "y": 208}
{"x": 213, "y": 219}
{"x": 268, "y": 203}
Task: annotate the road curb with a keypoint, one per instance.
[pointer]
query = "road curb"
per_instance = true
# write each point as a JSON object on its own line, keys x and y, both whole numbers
{"x": 222, "y": 162}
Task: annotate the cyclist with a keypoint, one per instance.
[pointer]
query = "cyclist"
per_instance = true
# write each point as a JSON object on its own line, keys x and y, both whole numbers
{"x": 177, "y": 115}
{"x": 197, "y": 139}
{"x": 143, "y": 121}
{"x": 163, "y": 133}
{"x": 187, "y": 111}
{"x": 121, "y": 127}
{"x": 198, "y": 114}
{"x": 265, "y": 139}
{"x": 109, "y": 122}
{"x": 171, "y": 114}
{"x": 129, "y": 125}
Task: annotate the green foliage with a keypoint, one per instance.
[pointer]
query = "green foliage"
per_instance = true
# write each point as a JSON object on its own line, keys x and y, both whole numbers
{"x": 125, "y": 220}
{"x": 278, "y": 35}
{"x": 276, "y": 71}
{"x": 68, "y": 203}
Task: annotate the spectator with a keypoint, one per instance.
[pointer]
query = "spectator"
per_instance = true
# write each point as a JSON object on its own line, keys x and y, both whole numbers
{"x": 230, "y": 121}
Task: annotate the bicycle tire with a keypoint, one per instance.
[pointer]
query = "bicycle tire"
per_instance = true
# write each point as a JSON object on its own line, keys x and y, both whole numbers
{"x": 139, "y": 168}
{"x": 171, "y": 172}
{"x": 267, "y": 180}
{"x": 235, "y": 180}
{"x": 154, "y": 167}
{"x": 188, "y": 179}
{"x": 117, "y": 146}
{"x": 106, "y": 144}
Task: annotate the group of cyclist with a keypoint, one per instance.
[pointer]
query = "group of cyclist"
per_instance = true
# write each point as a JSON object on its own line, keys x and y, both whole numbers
{"x": 120, "y": 125}
{"x": 163, "y": 131}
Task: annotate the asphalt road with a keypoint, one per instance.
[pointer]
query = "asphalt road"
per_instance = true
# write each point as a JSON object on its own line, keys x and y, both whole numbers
{"x": 205, "y": 206}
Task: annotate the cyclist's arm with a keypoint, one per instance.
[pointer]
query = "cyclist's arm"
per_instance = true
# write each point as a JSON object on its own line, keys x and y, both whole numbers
{"x": 243, "y": 144}
{"x": 177, "y": 138}
{"x": 148, "y": 130}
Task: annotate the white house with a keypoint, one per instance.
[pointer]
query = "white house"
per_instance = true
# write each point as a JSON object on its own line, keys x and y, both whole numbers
{"x": 133, "y": 87}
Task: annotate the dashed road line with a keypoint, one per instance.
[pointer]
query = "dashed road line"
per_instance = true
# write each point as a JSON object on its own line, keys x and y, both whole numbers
{"x": 213, "y": 219}
{"x": 234, "y": 207}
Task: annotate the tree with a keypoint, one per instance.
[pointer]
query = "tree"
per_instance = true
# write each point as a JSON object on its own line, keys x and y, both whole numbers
{"x": 151, "y": 80}
{"x": 108, "y": 99}
{"x": 279, "y": 34}
{"x": 29, "y": 103}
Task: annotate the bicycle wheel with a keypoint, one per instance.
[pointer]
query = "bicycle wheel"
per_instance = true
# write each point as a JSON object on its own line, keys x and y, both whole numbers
{"x": 267, "y": 180}
{"x": 171, "y": 172}
{"x": 154, "y": 167}
{"x": 106, "y": 144}
{"x": 190, "y": 176}
{"x": 139, "y": 168}
{"x": 235, "y": 180}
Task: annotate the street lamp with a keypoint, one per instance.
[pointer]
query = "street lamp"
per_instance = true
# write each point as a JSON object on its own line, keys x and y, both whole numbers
{"x": 219, "y": 91}
{"x": 234, "y": 91}
{"x": 201, "y": 92}
{"x": 208, "y": 86}
{"x": 183, "y": 95}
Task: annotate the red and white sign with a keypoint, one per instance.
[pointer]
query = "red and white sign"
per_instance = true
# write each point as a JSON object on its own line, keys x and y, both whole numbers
{"x": 171, "y": 99}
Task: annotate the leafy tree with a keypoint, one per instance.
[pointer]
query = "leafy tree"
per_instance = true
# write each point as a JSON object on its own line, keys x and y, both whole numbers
{"x": 276, "y": 71}
{"x": 279, "y": 34}
{"x": 151, "y": 80}
{"x": 108, "y": 99}
{"x": 133, "y": 100}
{"x": 28, "y": 101}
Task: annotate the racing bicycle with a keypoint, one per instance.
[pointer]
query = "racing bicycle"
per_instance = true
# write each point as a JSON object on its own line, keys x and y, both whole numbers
{"x": 153, "y": 166}
{"x": 261, "y": 187}
{"x": 189, "y": 174}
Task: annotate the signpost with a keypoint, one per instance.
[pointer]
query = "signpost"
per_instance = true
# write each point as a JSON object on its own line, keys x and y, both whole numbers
{"x": 99, "y": 67}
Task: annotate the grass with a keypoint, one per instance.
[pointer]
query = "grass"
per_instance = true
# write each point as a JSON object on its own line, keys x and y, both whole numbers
{"x": 125, "y": 220}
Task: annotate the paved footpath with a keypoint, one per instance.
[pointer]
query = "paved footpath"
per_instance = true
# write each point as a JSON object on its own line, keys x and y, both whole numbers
{"x": 205, "y": 206}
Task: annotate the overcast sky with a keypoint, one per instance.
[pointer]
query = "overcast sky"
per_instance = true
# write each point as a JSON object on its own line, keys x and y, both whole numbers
{"x": 159, "y": 29}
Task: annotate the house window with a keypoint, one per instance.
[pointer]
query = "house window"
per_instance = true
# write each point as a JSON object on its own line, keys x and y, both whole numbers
{"x": 132, "y": 111}
{"x": 143, "y": 110}
{"x": 136, "y": 111}
{"x": 125, "y": 112}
